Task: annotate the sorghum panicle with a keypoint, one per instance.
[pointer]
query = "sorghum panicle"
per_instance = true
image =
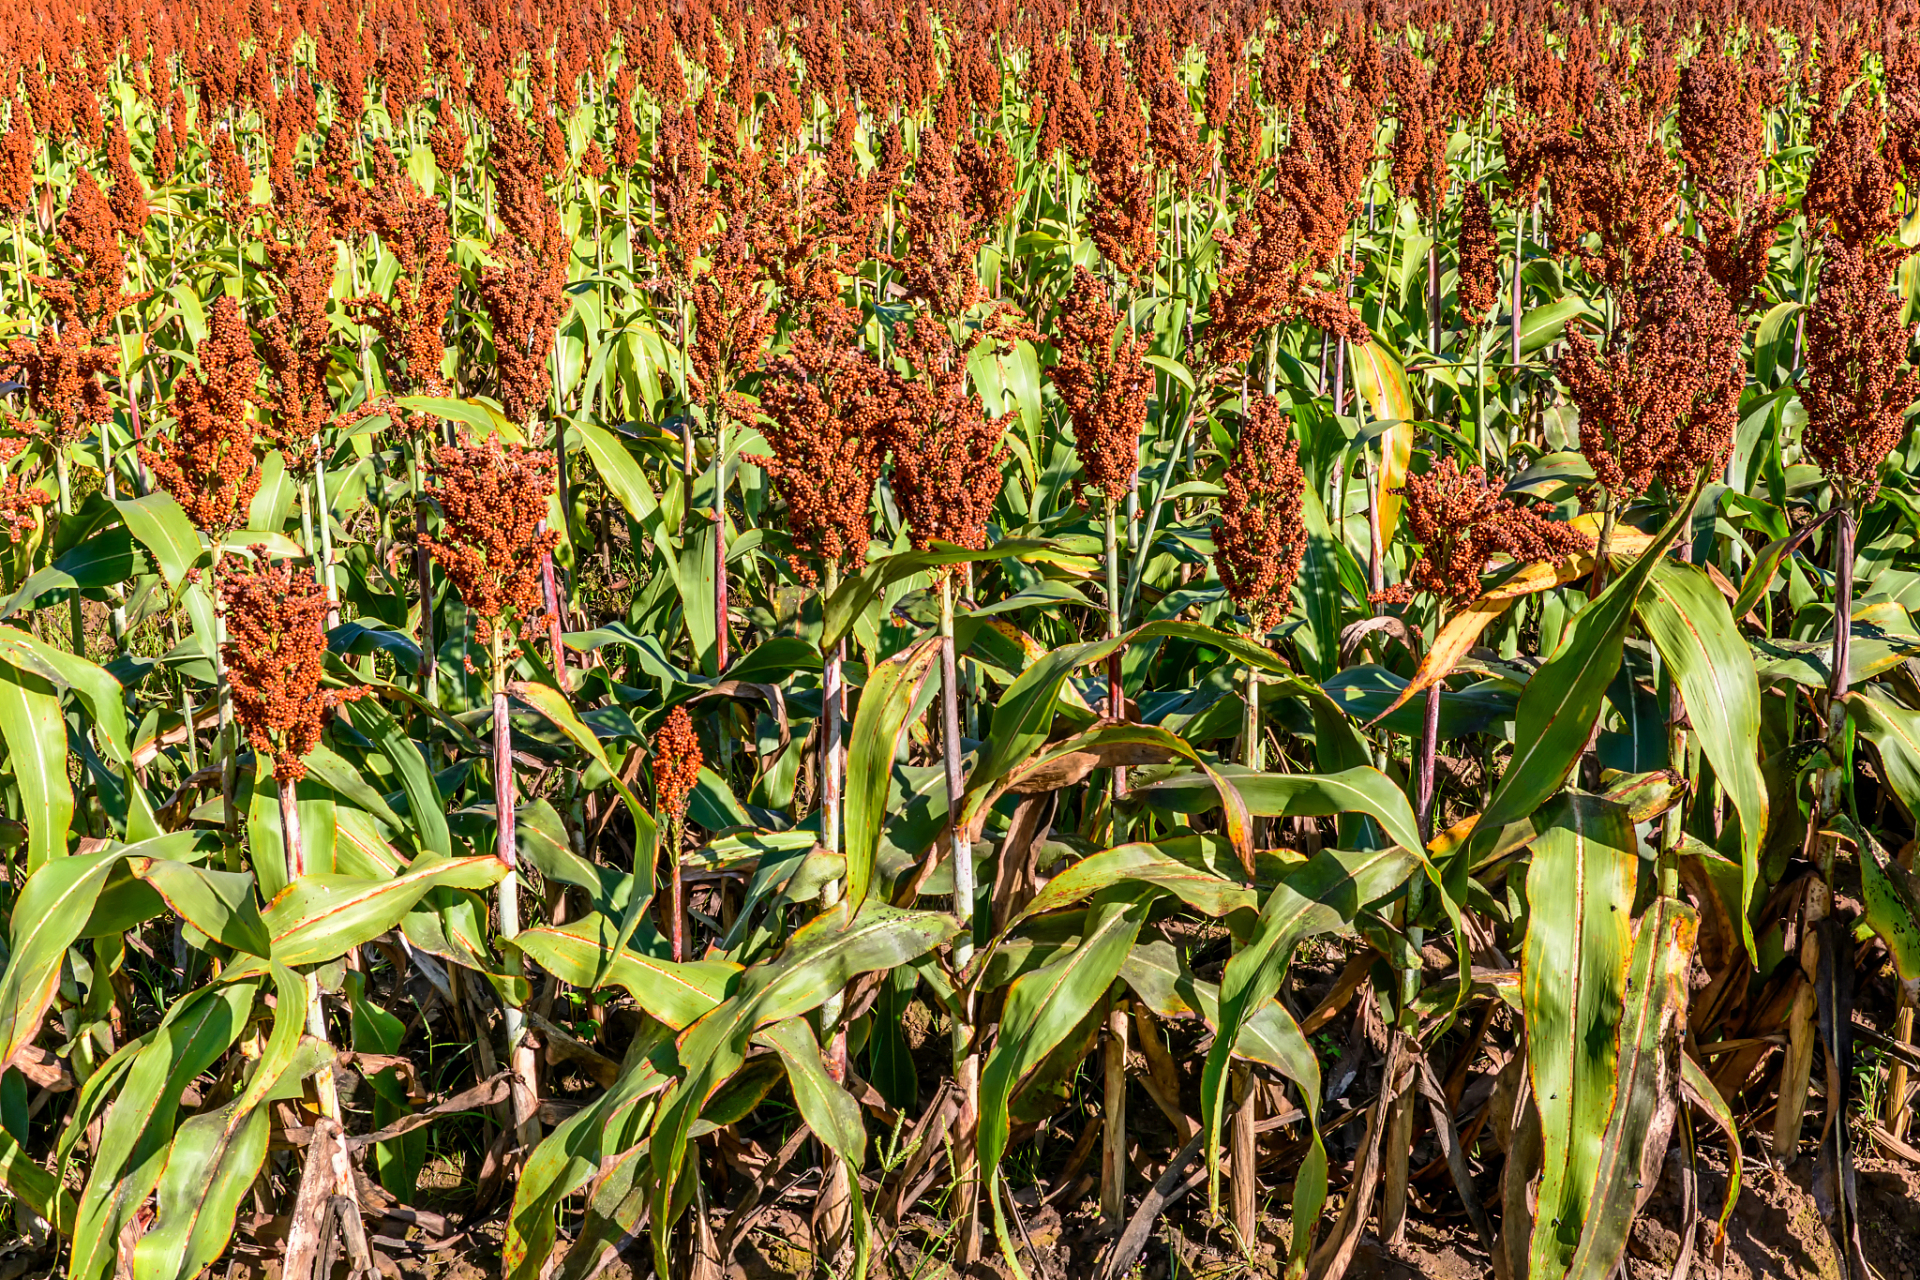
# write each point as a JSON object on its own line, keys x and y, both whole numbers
{"x": 1858, "y": 385}
{"x": 1662, "y": 397}
{"x": 1460, "y": 522}
{"x": 1259, "y": 538}
{"x": 274, "y": 654}
{"x": 493, "y": 496}
{"x": 1102, "y": 379}
{"x": 677, "y": 762}
{"x": 208, "y": 463}
{"x": 829, "y": 415}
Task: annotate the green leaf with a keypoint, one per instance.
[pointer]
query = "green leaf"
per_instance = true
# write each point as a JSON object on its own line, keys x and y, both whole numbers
{"x": 820, "y": 959}
{"x": 138, "y": 1125}
{"x": 1645, "y": 1091}
{"x": 1379, "y": 377}
{"x": 581, "y": 952}
{"x": 825, "y": 1106}
{"x": 424, "y": 806}
{"x": 1689, "y": 622}
{"x": 1894, "y": 731}
{"x": 622, "y": 474}
{"x": 1041, "y": 1008}
{"x": 478, "y": 416}
{"x": 553, "y": 704}
{"x": 219, "y": 904}
{"x": 53, "y": 908}
{"x": 1892, "y": 895}
{"x": 1270, "y": 1037}
{"x": 1274, "y": 795}
{"x": 1703, "y": 1093}
{"x": 581, "y": 1148}
{"x": 1193, "y": 868}
{"x": 829, "y": 1111}
{"x": 885, "y": 705}
{"x": 1173, "y": 369}
{"x": 1325, "y": 894}
{"x": 34, "y": 1187}
{"x": 211, "y": 1164}
{"x": 856, "y": 593}
{"x": 36, "y": 735}
{"x": 1543, "y": 324}
{"x": 101, "y": 693}
{"x": 160, "y": 525}
{"x": 1558, "y": 707}
{"x": 1573, "y": 976}
{"x": 216, "y": 1156}
{"x": 541, "y": 839}
{"x": 324, "y": 916}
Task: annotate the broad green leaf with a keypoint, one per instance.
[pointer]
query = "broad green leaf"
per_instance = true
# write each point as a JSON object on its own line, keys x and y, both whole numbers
{"x": 1558, "y": 707}
{"x": 95, "y": 687}
{"x": 828, "y": 1110}
{"x": 1892, "y": 895}
{"x": 852, "y": 598}
{"x": 324, "y": 916}
{"x": 885, "y": 703}
{"x": 580, "y": 1149}
{"x": 211, "y": 1163}
{"x": 217, "y": 1155}
{"x": 1543, "y": 324}
{"x": 1894, "y": 731}
{"x": 1377, "y": 375}
{"x": 1196, "y": 869}
{"x": 1573, "y": 976}
{"x": 424, "y": 806}
{"x": 1689, "y": 622}
{"x": 820, "y": 959}
{"x": 1162, "y": 981}
{"x": 1703, "y": 1093}
{"x": 581, "y": 952}
{"x": 542, "y": 842}
{"x": 1273, "y": 795}
{"x": 553, "y": 704}
{"x": 617, "y": 468}
{"x": 1325, "y": 894}
{"x": 160, "y": 525}
{"x": 36, "y": 735}
{"x": 219, "y": 904}
{"x": 52, "y": 910}
{"x": 1645, "y": 1093}
{"x": 138, "y": 1125}
{"x": 34, "y": 1187}
{"x": 481, "y": 418}
{"x": 1041, "y": 1008}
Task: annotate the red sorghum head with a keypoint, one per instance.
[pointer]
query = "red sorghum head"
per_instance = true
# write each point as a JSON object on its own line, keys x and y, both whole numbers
{"x": 275, "y": 654}
{"x": 1259, "y": 538}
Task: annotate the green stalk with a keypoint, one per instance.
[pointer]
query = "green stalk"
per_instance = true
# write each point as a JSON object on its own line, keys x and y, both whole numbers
{"x": 1480, "y": 398}
{"x": 423, "y": 573}
{"x": 507, "y": 896}
{"x": 77, "y": 614}
{"x": 966, "y": 1057}
{"x": 326, "y": 534}
{"x": 224, "y": 694}
{"x": 1161, "y": 484}
{"x": 116, "y": 612}
{"x": 325, "y": 1086}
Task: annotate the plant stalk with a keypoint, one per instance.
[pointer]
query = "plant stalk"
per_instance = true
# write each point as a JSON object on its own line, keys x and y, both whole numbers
{"x": 966, "y": 1060}
{"x": 520, "y": 1059}
{"x": 321, "y": 508}
{"x": 1113, "y": 1150}
{"x": 423, "y": 574}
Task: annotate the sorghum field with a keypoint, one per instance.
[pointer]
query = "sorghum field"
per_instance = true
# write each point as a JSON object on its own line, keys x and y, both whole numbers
{"x": 743, "y": 638}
